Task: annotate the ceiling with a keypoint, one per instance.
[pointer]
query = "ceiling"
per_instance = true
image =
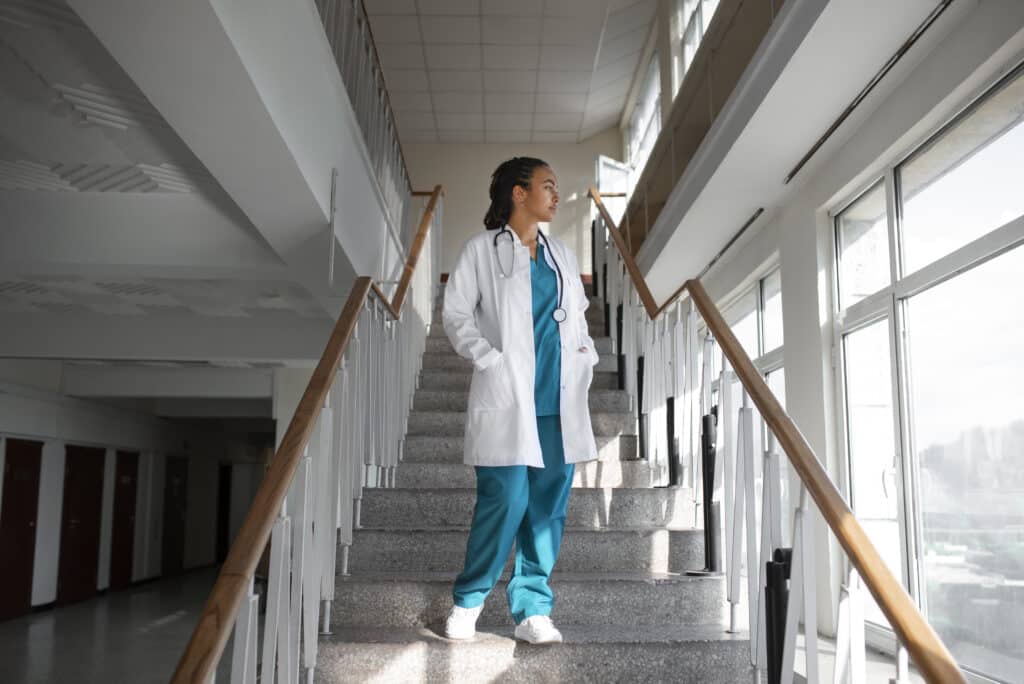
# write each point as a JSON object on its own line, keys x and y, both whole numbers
{"x": 540, "y": 71}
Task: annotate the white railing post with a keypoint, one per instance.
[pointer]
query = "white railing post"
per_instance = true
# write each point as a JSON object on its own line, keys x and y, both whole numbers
{"x": 243, "y": 657}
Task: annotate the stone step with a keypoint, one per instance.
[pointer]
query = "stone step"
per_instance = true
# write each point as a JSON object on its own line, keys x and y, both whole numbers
{"x": 601, "y": 400}
{"x": 588, "y": 508}
{"x": 423, "y": 599}
{"x": 454, "y": 423}
{"x": 448, "y": 360}
{"x": 459, "y": 379}
{"x": 449, "y": 448}
{"x": 609, "y": 653}
{"x": 591, "y": 474}
{"x": 444, "y": 549}
{"x": 443, "y": 344}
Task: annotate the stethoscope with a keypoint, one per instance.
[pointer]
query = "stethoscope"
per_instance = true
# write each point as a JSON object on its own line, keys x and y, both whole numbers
{"x": 559, "y": 313}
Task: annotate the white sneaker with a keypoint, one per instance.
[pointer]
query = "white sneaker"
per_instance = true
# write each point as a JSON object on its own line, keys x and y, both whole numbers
{"x": 461, "y": 622}
{"x": 538, "y": 629}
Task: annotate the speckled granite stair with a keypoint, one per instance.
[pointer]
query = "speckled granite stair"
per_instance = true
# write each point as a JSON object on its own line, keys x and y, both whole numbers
{"x": 627, "y": 611}
{"x": 443, "y": 549}
{"x": 588, "y": 508}
{"x": 687, "y": 654}
{"x": 416, "y": 599}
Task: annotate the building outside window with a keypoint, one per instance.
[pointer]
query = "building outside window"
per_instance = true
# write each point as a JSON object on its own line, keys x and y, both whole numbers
{"x": 930, "y": 330}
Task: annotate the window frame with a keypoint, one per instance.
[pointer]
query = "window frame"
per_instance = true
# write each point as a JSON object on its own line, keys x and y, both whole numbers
{"x": 890, "y": 303}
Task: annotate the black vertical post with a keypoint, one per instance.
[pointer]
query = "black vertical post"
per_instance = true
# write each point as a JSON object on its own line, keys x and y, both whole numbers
{"x": 593, "y": 258}
{"x": 640, "y": 417}
{"x": 776, "y": 594}
{"x": 712, "y": 513}
{"x": 618, "y": 346}
{"x": 604, "y": 298}
{"x": 674, "y": 470}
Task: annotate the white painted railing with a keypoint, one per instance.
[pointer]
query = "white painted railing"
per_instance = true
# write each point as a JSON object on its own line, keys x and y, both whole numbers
{"x": 355, "y": 442}
{"x": 749, "y": 481}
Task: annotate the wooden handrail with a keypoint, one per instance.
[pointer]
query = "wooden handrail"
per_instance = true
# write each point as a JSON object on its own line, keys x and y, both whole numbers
{"x": 211, "y": 633}
{"x": 927, "y": 651}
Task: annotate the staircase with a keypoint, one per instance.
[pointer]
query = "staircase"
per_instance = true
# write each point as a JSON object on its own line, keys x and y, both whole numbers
{"x": 624, "y": 608}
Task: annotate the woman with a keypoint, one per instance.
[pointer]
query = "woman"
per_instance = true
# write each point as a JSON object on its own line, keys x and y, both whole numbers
{"x": 514, "y": 305}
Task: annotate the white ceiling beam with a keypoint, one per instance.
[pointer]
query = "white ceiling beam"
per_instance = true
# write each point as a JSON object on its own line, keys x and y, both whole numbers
{"x": 145, "y": 381}
{"x": 254, "y": 91}
{"x": 131, "y": 235}
{"x": 268, "y": 337}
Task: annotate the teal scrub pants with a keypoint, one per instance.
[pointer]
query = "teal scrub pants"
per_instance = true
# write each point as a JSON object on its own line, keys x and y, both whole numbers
{"x": 523, "y": 505}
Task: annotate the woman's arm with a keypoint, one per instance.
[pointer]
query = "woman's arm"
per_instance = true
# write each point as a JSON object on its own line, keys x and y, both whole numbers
{"x": 461, "y": 295}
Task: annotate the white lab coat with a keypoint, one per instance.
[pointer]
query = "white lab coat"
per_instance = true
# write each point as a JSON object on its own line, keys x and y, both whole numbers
{"x": 489, "y": 320}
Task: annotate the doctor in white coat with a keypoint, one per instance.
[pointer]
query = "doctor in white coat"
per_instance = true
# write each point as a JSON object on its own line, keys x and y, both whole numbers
{"x": 514, "y": 305}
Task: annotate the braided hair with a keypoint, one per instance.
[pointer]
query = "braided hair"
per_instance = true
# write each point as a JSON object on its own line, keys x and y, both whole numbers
{"x": 510, "y": 173}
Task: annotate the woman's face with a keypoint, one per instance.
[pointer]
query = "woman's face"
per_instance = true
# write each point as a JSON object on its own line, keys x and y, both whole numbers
{"x": 541, "y": 200}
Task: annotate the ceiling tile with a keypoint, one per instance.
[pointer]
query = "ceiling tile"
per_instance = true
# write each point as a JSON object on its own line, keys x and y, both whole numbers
{"x": 557, "y": 122}
{"x": 508, "y": 136}
{"x": 461, "y": 136}
{"x": 410, "y": 101}
{"x": 623, "y": 68}
{"x": 453, "y": 56}
{"x": 395, "y": 29}
{"x": 517, "y": 30}
{"x": 458, "y": 102}
{"x": 450, "y": 7}
{"x": 592, "y": 11}
{"x": 406, "y": 79}
{"x": 418, "y": 136}
{"x": 451, "y": 29}
{"x": 509, "y": 102}
{"x": 374, "y": 7}
{"x": 413, "y": 120}
{"x": 511, "y": 81}
{"x": 628, "y": 43}
{"x": 511, "y": 57}
{"x": 517, "y": 8}
{"x": 401, "y": 55}
{"x": 630, "y": 18}
{"x": 603, "y": 120}
{"x": 554, "y": 137}
{"x": 449, "y": 121}
{"x": 567, "y": 57}
{"x": 615, "y": 90}
{"x": 446, "y": 80}
{"x": 570, "y": 31}
{"x": 561, "y": 102}
{"x": 563, "y": 81}
{"x": 509, "y": 121}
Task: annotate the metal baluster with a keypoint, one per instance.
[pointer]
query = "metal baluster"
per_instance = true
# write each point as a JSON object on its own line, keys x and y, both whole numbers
{"x": 243, "y": 657}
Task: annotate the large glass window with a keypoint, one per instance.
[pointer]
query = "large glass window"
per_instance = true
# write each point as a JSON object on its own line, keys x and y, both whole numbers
{"x": 694, "y": 17}
{"x": 645, "y": 121}
{"x": 967, "y": 182}
{"x": 967, "y": 426}
{"x": 756, "y": 316}
{"x": 937, "y": 476}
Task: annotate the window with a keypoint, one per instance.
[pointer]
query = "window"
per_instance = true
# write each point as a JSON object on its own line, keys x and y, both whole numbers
{"x": 645, "y": 122}
{"x": 694, "y": 16}
{"x": 930, "y": 333}
{"x": 756, "y": 316}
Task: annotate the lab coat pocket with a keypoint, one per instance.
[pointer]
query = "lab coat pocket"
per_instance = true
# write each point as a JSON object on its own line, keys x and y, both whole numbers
{"x": 490, "y": 389}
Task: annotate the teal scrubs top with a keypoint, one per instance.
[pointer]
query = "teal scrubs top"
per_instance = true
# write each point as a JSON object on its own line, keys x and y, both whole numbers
{"x": 546, "y": 340}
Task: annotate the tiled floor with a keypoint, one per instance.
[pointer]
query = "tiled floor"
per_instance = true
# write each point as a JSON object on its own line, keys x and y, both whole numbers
{"x": 130, "y": 636}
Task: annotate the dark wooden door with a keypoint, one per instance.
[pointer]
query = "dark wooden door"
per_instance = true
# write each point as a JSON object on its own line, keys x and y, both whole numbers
{"x": 123, "y": 539}
{"x": 80, "y": 523}
{"x": 18, "y": 525}
{"x": 175, "y": 487}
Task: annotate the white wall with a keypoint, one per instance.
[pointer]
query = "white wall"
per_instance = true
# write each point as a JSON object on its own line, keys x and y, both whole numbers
{"x": 798, "y": 234}
{"x": 465, "y": 170}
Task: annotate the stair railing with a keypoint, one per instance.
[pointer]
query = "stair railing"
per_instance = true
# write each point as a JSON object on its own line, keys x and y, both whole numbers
{"x": 667, "y": 337}
{"x": 346, "y": 433}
